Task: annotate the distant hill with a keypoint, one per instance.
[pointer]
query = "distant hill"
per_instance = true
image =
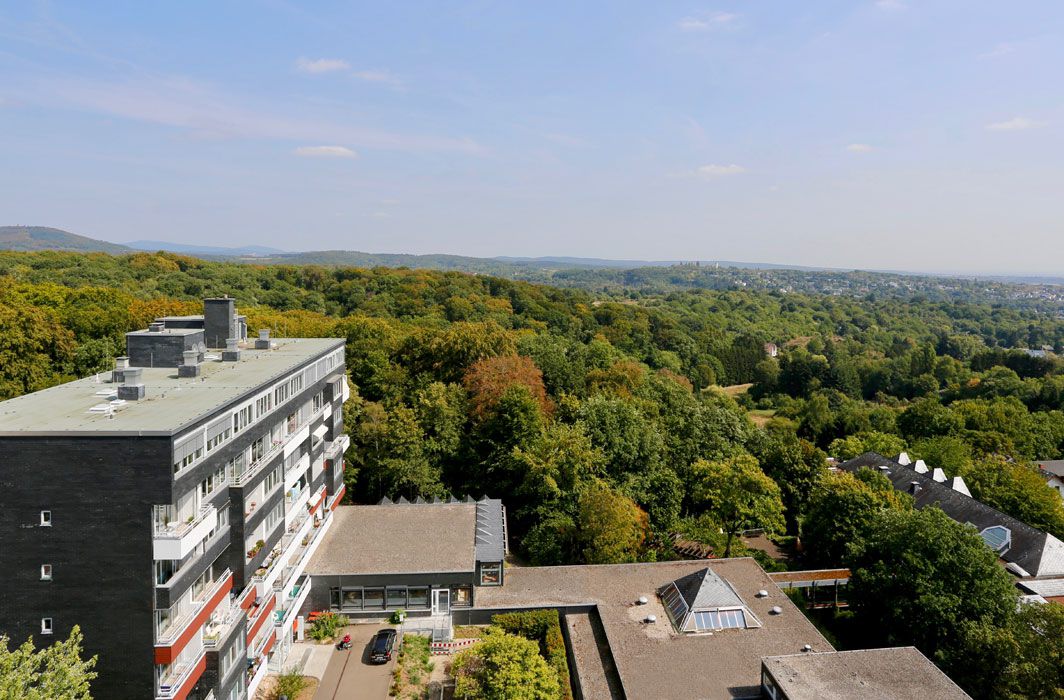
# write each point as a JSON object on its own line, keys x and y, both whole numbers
{"x": 45, "y": 238}
{"x": 189, "y": 249}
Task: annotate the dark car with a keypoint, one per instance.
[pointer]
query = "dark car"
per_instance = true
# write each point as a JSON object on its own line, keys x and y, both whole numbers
{"x": 380, "y": 647}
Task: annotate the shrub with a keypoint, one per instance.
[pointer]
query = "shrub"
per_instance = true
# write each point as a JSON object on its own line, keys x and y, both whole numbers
{"x": 327, "y": 626}
{"x": 289, "y": 684}
{"x": 544, "y": 627}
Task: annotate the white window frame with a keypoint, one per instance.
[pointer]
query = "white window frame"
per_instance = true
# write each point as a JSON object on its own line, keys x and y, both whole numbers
{"x": 46, "y": 625}
{"x": 46, "y": 572}
{"x": 46, "y": 518}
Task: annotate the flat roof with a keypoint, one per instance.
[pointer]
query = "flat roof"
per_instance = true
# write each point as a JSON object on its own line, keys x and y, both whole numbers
{"x": 398, "y": 539}
{"x": 170, "y": 402}
{"x": 166, "y": 331}
{"x": 900, "y": 673}
{"x": 653, "y": 660}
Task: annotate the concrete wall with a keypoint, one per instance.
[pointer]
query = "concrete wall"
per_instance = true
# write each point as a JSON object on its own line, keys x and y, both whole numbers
{"x": 100, "y": 492}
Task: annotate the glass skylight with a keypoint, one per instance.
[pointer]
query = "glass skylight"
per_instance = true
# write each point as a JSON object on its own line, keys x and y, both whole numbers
{"x": 674, "y": 603}
{"x": 997, "y": 537}
{"x": 719, "y": 619}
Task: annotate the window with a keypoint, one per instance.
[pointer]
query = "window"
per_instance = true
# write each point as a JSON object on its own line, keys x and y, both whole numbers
{"x": 271, "y": 480}
{"x": 490, "y": 574}
{"x": 352, "y": 599}
{"x": 46, "y": 572}
{"x": 397, "y": 597}
{"x": 46, "y": 625}
{"x": 719, "y": 619}
{"x": 164, "y": 569}
{"x": 418, "y": 597}
{"x": 374, "y": 598}
{"x": 998, "y": 538}
{"x": 46, "y": 518}
{"x": 461, "y": 596}
{"x": 674, "y": 603}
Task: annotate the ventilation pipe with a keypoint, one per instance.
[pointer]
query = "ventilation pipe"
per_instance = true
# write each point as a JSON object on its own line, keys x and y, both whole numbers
{"x": 263, "y": 342}
{"x": 121, "y": 365}
{"x": 132, "y": 388}
{"x": 232, "y": 350}
{"x": 190, "y": 366}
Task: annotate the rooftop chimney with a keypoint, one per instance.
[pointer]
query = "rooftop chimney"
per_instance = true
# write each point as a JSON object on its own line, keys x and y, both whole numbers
{"x": 121, "y": 364}
{"x": 263, "y": 343}
{"x": 190, "y": 366}
{"x": 232, "y": 350}
{"x": 132, "y": 388}
{"x": 219, "y": 321}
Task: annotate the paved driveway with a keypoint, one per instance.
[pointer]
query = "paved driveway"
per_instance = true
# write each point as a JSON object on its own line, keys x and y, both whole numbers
{"x": 350, "y": 675}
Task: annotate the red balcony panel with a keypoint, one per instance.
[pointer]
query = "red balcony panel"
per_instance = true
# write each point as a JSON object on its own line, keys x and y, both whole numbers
{"x": 190, "y": 682}
{"x": 166, "y": 654}
{"x": 264, "y": 612}
{"x": 320, "y": 501}
{"x": 338, "y": 497}
{"x": 247, "y": 598}
{"x": 269, "y": 644}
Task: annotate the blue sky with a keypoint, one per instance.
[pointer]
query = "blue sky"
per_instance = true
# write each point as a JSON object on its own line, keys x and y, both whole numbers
{"x": 902, "y": 134}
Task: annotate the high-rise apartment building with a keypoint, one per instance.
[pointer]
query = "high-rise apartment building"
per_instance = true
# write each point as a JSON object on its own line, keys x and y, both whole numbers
{"x": 169, "y": 507}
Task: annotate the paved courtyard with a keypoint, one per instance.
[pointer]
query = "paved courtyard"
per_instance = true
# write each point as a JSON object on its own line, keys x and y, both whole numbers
{"x": 349, "y": 674}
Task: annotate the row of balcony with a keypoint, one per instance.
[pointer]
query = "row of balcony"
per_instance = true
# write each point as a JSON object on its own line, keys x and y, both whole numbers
{"x": 239, "y": 479}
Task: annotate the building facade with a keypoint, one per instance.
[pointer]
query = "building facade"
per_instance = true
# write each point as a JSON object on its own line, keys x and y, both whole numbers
{"x": 170, "y": 507}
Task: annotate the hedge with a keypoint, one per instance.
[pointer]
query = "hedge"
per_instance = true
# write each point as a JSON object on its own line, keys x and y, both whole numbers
{"x": 544, "y": 627}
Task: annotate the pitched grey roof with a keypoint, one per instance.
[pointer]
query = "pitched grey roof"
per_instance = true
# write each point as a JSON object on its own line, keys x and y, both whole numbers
{"x": 1053, "y": 466}
{"x": 1036, "y": 552}
{"x": 705, "y": 590}
{"x": 491, "y": 530}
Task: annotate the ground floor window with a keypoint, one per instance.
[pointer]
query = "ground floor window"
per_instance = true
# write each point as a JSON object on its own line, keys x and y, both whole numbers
{"x": 390, "y": 598}
{"x": 461, "y": 596}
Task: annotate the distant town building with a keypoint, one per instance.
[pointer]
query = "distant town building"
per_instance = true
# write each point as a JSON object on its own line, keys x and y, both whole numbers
{"x": 772, "y": 350}
{"x": 1053, "y": 472}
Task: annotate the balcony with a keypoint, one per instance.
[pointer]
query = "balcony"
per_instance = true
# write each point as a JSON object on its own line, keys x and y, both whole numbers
{"x": 295, "y": 436}
{"x": 297, "y": 545}
{"x": 180, "y": 678}
{"x": 219, "y": 625}
{"x": 170, "y": 642}
{"x": 175, "y": 541}
{"x": 336, "y": 448}
{"x": 289, "y": 606}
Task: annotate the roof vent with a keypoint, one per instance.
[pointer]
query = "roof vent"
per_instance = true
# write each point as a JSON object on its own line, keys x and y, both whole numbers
{"x": 651, "y": 619}
{"x": 642, "y": 600}
{"x": 884, "y": 470}
{"x": 121, "y": 364}
{"x": 921, "y": 466}
{"x": 914, "y": 487}
{"x": 807, "y": 648}
{"x": 232, "y": 350}
{"x": 958, "y": 485}
{"x": 156, "y": 326}
{"x": 776, "y": 610}
{"x": 938, "y": 475}
{"x": 263, "y": 343}
{"x": 190, "y": 366}
{"x": 132, "y": 388}
{"x": 903, "y": 459}
{"x": 762, "y": 593}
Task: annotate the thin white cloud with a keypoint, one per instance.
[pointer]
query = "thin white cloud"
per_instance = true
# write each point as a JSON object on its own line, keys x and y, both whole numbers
{"x": 378, "y": 76}
{"x": 322, "y": 65}
{"x": 890, "y": 5}
{"x": 325, "y": 152}
{"x": 859, "y": 148}
{"x": 1016, "y": 124}
{"x": 713, "y": 20}
{"x": 203, "y": 111}
{"x": 1002, "y": 49}
{"x": 719, "y": 170}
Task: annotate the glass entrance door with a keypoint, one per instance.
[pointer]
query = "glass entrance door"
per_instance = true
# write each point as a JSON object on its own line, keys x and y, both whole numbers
{"x": 441, "y": 601}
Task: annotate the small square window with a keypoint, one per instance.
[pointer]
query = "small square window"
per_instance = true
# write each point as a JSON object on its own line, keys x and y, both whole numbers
{"x": 46, "y": 572}
{"x": 46, "y": 625}
{"x": 46, "y": 518}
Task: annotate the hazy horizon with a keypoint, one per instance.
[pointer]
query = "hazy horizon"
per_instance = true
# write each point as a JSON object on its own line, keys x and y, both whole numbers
{"x": 877, "y": 135}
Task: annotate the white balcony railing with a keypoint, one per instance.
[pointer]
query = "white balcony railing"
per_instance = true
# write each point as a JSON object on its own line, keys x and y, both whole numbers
{"x": 175, "y": 543}
{"x": 241, "y": 477}
{"x": 171, "y": 685}
{"x": 220, "y": 623}
{"x": 179, "y": 624}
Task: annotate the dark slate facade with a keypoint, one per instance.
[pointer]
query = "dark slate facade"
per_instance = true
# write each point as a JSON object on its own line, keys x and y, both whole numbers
{"x": 99, "y": 492}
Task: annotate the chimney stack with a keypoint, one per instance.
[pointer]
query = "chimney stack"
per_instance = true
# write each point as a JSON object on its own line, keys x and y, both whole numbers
{"x": 232, "y": 350}
{"x": 132, "y": 389}
{"x": 263, "y": 343}
{"x": 121, "y": 364}
{"x": 190, "y": 366}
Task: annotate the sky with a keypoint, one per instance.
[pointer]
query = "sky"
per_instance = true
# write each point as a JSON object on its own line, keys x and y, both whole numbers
{"x": 916, "y": 135}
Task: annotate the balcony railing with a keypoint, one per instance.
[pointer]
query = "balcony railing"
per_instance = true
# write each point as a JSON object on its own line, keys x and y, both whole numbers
{"x": 177, "y": 528}
{"x": 215, "y": 629}
{"x": 249, "y": 470}
{"x": 177, "y": 626}
{"x": 173, "y": 683}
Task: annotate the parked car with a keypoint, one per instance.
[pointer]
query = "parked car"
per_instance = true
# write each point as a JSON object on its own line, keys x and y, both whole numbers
{"x": 380, "y": 647}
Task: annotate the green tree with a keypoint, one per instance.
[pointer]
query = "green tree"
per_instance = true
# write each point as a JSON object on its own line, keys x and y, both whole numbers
{"x": 795, "y": 465}
{"x": 1016, "y": 489}
{"x": 504, "y": 667}
{"x": 738, "y": 495}
{"x": 56, "y": 671}
{"x": 611, "y": 528}
{"x": 919, "y": 576}
{"x": 841, "y": 510}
